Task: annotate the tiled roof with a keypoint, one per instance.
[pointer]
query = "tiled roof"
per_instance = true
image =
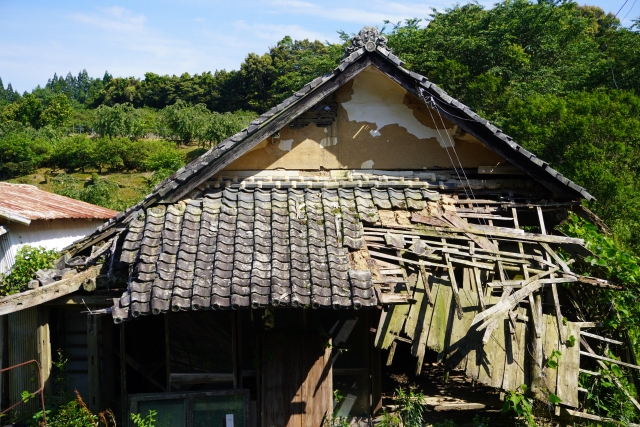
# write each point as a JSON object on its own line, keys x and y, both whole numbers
{"x": 237, "y": 248}
{"x": 31, "y": 203}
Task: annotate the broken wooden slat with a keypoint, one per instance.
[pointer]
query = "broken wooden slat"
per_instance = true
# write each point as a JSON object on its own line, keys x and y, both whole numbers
{"x": 598, "y": 337}
{"x": 592, "y": 417}
{"x": 454, "y": 287}
{"x": 595, "y": 374}
{"x": 518, "y": 283}
{"x": 516, "y": 297}
{"x": 615, "y": 379}
{"x": 476, "y": 277}
{"x": 397, "y": 315}
{"x": 408, "y": 261}
{"x": 607, "y": 359}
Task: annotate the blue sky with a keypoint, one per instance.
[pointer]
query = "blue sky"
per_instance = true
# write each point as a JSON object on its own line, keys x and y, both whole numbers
{"x": 39, "y": 38}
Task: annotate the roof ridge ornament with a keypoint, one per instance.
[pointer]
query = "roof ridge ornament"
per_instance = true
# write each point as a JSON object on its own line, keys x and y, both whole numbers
{"x": 368, "y": 38}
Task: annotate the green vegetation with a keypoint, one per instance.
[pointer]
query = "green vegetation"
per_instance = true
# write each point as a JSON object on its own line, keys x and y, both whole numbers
{"x": 147, "y": 421}
{"x": 28, "y": 260}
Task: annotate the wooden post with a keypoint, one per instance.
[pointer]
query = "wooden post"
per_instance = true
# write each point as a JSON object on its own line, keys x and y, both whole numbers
{"x": 123, "y": 377}
{"x": 93, "y": 363}
{"x": 44, "y": 346}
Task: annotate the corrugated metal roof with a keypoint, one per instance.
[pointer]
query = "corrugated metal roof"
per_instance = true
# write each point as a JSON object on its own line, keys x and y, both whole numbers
{"x": 30, "y": 203}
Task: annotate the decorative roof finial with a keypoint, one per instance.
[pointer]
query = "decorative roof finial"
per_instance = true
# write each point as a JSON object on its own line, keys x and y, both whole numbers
{"x": 368, "y": 38}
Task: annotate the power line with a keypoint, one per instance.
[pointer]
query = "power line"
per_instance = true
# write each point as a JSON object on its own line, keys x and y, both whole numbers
{"x": 625, "y": 16}
{"x": 623, "y": 4}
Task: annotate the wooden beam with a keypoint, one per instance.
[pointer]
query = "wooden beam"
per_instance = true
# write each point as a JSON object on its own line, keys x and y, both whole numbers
{"x": 33, "y": 297}
{"x": 201, "y": 378}
{"x": 91, "y": 300}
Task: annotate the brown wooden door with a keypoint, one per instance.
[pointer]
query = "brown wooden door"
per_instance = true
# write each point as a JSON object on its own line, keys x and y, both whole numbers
{"x": 296, "y": 384}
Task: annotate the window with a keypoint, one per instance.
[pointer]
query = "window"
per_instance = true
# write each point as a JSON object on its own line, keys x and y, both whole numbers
{"x": 197, "y": 409}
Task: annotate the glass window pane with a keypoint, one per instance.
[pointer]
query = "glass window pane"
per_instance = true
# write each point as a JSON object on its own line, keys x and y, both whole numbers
{"x": 356, "y": 395}
{"x": 212, "y": 410}
{"x": 171, "y": 413}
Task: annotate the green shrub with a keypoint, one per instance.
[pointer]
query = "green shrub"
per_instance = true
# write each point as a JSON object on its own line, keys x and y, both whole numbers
{"x": 22, "y": 152}
{"x": 74, "y": 152}
{"x": 119, "y": 120}
{"x": 98, "y": 191}
{"x": 73, "y": 414}
{"x": 148, "y": 421}
{"x": 29, "y": 259}
{"x": 163, "y": 155}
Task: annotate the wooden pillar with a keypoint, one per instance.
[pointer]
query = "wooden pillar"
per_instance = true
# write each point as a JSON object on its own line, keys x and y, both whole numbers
{"x": 93, "y": 363}
{"x": 167, "y": 351}
{"x": 43, "y": 336}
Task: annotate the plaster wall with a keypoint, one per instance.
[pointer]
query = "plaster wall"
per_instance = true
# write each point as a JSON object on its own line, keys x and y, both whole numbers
{"x": 379, "y": 125}
{"x": 51, "y": 234}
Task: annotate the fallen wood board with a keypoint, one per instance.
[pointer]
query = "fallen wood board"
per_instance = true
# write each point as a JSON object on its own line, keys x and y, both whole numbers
{"x": 440, "y": 321}
{"x": 459, "y": 341}
{"x": 423, "y": 328}
{"x": 511, "y": 301}
{"x": 397, "y": 315}
{"x": 417, "y": 310}
{"x": 458, "y": 407}
{"x": 33, "y": 297}
{"x": 492, "y": 369}
{"x": 569, "y": 368}
{"x": 514, "y": 368}
{"x": 592, "y": 417}
{"x": 551, "y": 343}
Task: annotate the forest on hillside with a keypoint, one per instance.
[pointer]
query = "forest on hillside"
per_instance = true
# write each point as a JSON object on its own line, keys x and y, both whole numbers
{"x": 562, "y": 79}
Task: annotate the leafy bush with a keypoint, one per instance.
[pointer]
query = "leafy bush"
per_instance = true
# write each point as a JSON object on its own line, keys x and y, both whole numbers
{"x": 119, "y": 120}
{"x": 186, "y": 122}
{"x": 74, "y": 152}
{"x": 163, "y": 155}
{"x": 410, "y": 410}
{"x": 73, "y": 414}
{"x": 29, "y": 259}
{"x": 22, "y": 152}
{"x": 98, "y": 191}
{"x": 515, "y": 401}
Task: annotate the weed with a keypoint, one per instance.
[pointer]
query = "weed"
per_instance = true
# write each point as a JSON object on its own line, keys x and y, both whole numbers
{"x": 148, "y": 421}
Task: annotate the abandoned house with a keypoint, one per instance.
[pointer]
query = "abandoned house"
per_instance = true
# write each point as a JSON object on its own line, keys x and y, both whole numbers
{"x": 368, "y": 215}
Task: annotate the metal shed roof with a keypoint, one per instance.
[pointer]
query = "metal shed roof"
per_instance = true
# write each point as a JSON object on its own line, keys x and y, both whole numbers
{"x": 24, "y": 203}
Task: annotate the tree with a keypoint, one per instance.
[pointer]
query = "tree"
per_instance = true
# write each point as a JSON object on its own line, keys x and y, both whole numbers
{"x": 58, "y": 113}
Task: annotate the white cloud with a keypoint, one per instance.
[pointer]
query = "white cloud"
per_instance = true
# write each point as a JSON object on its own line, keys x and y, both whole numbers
{"x": 115, "y": 18}
{"x": 370, "y": 13}
{"x": 275, "y": 32}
